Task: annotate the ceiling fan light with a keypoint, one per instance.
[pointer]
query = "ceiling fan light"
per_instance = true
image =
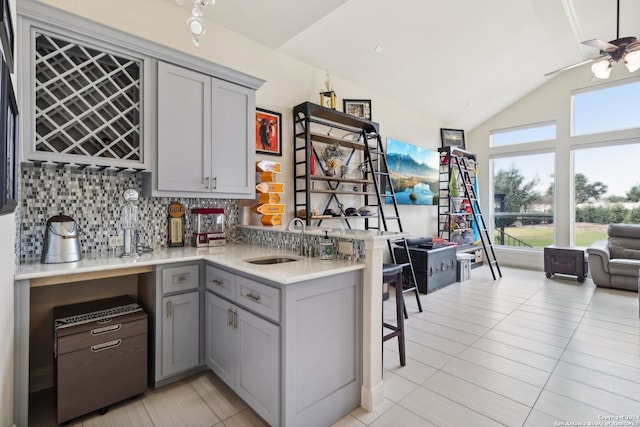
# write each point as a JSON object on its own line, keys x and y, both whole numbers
{"x": 632, "y": 61}
{"x": 601, "y": 69}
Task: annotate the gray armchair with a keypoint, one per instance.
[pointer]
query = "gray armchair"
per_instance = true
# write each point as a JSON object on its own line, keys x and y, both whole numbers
{"x": 615, "y": 262}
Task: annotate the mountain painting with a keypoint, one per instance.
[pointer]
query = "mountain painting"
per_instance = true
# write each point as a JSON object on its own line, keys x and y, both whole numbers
{"x": 414, "y": 173}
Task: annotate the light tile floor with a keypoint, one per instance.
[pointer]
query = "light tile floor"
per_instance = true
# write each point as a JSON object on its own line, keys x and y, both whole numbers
{"x": 519, "y": 351}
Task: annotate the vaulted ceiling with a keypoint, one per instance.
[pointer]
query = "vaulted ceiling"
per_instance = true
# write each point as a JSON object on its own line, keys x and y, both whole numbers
{"x": 458, "y": 61}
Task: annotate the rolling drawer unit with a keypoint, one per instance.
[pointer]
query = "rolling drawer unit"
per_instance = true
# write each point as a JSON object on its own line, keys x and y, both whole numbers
{"x": 100, "y": 354}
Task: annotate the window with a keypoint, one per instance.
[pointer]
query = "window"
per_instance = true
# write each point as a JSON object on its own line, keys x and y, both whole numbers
{"x": 606, "y": 109}
{"x": 523, "y": 200}
{"x": 606, "y": 190}
{"x": 521, "y": 135}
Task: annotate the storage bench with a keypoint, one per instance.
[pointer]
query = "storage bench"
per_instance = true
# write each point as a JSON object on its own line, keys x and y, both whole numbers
{"x": 435, "y": 267}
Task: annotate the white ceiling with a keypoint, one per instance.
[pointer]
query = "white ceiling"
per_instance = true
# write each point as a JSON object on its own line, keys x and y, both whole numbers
{"x": 458, "y": 61}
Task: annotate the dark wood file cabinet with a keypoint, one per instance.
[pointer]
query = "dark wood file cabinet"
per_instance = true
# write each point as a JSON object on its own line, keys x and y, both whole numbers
{"x": 99, "y": 359}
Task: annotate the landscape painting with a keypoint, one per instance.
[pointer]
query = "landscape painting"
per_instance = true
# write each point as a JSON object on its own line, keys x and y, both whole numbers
{"x": 414, "y": 173}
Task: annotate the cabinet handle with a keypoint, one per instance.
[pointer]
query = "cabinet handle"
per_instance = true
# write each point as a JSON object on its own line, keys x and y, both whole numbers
{"x": 105, "y": 346}
{"x": 253, "y": 297}
{"x": 229, "y": 318}
{"x": 235, "y": 319}
{"x": 215, "y": 182}
{"x": 106, "y": 329}
{"x": 169, "y": 309}
{"x": 182, "y": 278}
{"x": 207, "y": 182}
{"x": 218, "y": 282}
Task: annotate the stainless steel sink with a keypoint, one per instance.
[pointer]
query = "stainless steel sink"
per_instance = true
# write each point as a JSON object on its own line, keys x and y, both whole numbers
{"x": 271, "y": 260}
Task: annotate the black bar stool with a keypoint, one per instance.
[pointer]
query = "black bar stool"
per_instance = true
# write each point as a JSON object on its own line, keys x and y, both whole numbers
{"x": 392, "y": 274}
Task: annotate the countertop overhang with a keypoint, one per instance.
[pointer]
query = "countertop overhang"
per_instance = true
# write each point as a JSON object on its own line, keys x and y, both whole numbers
{"x": 232, "y": 256}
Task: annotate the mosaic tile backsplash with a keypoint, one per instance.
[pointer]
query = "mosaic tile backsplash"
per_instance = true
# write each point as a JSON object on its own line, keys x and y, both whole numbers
{"x": 94, "y": 200}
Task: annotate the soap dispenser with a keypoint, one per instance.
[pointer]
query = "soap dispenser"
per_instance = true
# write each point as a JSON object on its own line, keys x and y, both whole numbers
{"x": 326, "y": 247}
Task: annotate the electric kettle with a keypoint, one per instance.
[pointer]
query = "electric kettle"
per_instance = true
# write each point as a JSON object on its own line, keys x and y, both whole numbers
{"x": 61, "y": 240}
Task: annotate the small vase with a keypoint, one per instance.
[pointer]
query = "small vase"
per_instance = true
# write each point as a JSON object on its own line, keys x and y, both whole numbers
{"x": 330, "y": 172}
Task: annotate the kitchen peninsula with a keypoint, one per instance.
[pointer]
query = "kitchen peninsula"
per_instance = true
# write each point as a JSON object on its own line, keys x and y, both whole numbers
{"x": 295, "y": 281}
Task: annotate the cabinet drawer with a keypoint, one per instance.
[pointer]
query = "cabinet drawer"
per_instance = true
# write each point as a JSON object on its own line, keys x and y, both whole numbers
{"x": 176, "y": 279}
{"x": 221, "y": 282}
{"x": 259, "y": 298}
{"x": 115, "y": 329}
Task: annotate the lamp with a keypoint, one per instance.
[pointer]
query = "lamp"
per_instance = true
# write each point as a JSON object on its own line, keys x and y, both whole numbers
{"x": 196, "y": 27}
{"x": 632, "y": 61}
{"x": 601, "y": 69}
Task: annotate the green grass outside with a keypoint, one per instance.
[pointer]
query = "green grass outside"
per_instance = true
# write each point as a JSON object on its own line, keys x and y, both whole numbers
{"x": 541, "y": 236}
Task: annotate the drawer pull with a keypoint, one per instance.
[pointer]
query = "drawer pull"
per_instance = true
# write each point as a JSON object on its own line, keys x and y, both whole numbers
{"x": 106, "y": 329}
{"x": 105, "y": 346}
{"x": 218, "y": 282}
{"x": 253, "y": 297}
{"x": 182, "y": 278}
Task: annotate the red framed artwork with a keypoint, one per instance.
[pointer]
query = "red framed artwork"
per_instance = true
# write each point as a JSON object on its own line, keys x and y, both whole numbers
{"x": 268, "y": 132}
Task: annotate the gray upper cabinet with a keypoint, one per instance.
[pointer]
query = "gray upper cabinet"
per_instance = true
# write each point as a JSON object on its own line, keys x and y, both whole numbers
{"x": 91, "y": 96}
{"x": 205, "y": 135}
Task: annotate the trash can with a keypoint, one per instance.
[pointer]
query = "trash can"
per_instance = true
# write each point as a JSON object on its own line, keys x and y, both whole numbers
{"x": 463, "y": 266}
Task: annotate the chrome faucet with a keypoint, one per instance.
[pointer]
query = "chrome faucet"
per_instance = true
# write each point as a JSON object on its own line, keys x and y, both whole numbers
{"x": 302, "y": 241}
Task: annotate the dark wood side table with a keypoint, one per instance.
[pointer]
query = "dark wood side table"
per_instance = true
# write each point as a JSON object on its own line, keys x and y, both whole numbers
{"x": 565, "y": 260}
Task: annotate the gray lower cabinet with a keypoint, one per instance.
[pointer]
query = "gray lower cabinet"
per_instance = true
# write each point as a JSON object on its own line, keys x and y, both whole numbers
{"x": 244, "y": 351}
{"x": 292, "y": 352}
{"x": 180, "y": 337}
{"x": 176, "y": 321}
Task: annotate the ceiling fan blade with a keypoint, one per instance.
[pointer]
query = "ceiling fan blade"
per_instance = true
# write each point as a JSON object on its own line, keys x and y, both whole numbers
{"x": 575, "y": 65}
{"x": 600, "y": 45}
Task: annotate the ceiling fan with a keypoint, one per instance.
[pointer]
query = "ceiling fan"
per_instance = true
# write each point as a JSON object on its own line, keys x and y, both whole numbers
{"x": 627, "y": 48}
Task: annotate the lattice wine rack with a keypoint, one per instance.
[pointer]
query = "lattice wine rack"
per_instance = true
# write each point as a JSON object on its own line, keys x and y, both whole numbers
{"x": 87, "y": 101}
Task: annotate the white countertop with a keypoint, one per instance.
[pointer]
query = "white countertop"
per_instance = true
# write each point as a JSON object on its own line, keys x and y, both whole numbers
{"x": 231, "y": 256}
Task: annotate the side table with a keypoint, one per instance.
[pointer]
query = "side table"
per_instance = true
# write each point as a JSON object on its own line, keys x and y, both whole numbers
{"x": 565, "y": 260}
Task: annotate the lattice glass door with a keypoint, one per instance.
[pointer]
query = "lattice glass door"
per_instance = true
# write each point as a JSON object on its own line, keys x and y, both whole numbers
{"x": 87, "y": 102}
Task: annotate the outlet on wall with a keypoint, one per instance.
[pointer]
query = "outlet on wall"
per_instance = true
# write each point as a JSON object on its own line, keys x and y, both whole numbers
{"x": 115, "y": 241}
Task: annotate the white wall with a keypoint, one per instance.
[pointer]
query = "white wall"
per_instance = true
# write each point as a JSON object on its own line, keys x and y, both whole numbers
{"x": 289, "y": 82}
{"x": 550, "y": 102}
{"x": 7, "y": 266}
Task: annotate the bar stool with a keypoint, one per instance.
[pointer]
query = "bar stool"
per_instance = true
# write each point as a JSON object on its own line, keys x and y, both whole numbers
{"x": 392, "y": 274}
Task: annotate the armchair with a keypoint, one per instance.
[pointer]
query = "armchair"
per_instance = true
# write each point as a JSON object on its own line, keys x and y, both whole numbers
{"x": 615, "y": 262}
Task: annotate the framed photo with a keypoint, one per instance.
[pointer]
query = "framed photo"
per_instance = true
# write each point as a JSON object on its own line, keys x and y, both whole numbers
{"x": 452, "y": 138}
{"x": 6, "y": 33}
{"x": 357, "y": 107}
{"x": 9, "y": 160}
{"x": 268, "y": 132}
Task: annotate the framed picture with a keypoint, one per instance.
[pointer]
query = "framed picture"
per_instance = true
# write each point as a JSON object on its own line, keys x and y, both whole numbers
{"x": 357, "y": 107}
{"x": 452, "y": 138}
{"x": 9, "y": 164}
{"x": 414, "y": 173}
{"x": 268, "y": 132}
{"x": 6, "y": 33}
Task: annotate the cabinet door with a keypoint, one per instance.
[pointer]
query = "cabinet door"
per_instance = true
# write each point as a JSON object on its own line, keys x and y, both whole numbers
{"x": 180, "y": 333}
{"x": 220, "y": 338}
{"x": 258, "y": 370}
{"x": 184, "y": 129}
{"x": 233, "y": 130}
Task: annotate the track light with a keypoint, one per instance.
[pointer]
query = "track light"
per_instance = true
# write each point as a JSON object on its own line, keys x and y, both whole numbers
{"x": 194, "y": 23}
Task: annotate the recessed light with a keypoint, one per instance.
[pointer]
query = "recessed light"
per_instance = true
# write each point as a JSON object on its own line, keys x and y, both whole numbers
{"x": 378, "y": 49}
